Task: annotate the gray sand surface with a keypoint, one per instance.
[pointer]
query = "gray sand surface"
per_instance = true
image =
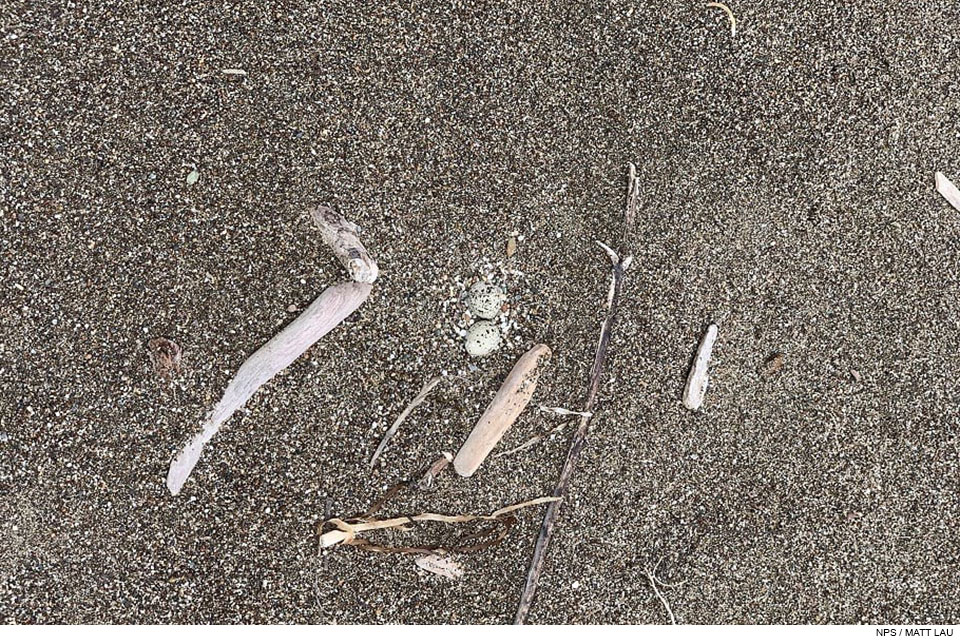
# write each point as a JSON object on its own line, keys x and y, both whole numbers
{"x": 786, "y": 193}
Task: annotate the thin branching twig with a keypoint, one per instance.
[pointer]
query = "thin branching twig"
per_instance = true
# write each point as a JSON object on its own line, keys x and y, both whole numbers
{"x": 579, "y": 441}
{"x": 653, "y": 583}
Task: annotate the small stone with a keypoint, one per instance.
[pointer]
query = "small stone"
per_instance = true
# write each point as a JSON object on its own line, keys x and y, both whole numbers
{"x": 511, "y": 247}
{"x": 482, "y": 338}
{"x": 192, "y": 177}
{"x": 485, "y": 300}
{"x": 292, "y": 308}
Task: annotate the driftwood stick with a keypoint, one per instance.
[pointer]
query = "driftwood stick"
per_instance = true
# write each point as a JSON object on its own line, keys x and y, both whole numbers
{"x": 321, "y": 317}
{"x": 579, "y": 441}
{"x": 325, "y": 313}
{"x": 510, "y": 401}
{"x": 699, "y": 377}
{"x": 948, "y": 190}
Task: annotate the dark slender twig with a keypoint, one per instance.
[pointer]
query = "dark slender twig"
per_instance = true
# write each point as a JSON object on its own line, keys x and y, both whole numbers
{"x": 579, "y": 440}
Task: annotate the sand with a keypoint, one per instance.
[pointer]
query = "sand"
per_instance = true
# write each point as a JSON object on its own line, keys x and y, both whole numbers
{"x": 786, "y": 194}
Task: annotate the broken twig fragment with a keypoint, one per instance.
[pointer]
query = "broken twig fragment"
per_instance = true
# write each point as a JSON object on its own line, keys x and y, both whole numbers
{"x": 341, "y": 236}
{"x": 534, "y": 440}
{"x": 392, "y": 431}
{"x": 560, "y": 411}
{"x": 698, "y": 379}
{"x": 426, "y": 480}
{"x": 730, "y": 16}
{"x": 948, "y": 190}
{"x": 510, "y": 401}
{"x": 325, "y": 313}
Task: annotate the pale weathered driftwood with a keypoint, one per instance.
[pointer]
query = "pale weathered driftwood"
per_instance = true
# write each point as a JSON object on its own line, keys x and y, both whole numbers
{"x": 699, "y": 378}
{"x": 341, "y": 236}
{"x": 325, "y": 313}
{"x": 511, "y": 399}
{"x": 441, "y": 565}
{"x": 948, "y": 190}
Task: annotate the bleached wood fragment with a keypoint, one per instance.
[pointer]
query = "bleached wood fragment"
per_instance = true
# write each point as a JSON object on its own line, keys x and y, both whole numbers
{"x": 325, "y": 313}
{"x": 560, "y": 411}
{"x": 440, "y": 565}
{"x": 341, "y": 236}
{"x": 698, "y": 379}
{"x": 510, "y": 401}
{"x": 948, "y": 190}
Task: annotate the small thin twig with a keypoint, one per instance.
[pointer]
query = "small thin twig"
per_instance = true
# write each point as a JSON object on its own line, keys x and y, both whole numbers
{"x": 730, "y": 16}
{"x": 579, "y": 440}
{"x": 532, "y": 441}
{"x": 345, "y": 531}
{"x": 560, "y": 411}
{"x": 426, "y": 480}
{"x": 666, "y": 605}
{"x": 428, "y": 386}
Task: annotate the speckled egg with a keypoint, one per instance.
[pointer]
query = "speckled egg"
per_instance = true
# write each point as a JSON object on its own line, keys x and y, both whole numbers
{"x": 485, "y": 300}
{"x": 482, "y": 338}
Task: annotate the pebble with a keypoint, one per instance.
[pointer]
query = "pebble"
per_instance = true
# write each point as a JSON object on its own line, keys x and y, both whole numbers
{"x": 482, "y": 338}
{"x": 485, "y": 300}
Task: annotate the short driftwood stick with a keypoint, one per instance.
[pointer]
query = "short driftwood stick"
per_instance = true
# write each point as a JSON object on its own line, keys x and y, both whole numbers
{"x": 510, "y": 401}
{"x": 699, "y": 377}
{"x": 948, "y": 190}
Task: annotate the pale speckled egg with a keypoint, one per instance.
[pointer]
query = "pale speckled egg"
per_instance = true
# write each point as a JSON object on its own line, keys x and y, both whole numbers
{"x": 482, "y": 338}
{"x": 485, "y": 300}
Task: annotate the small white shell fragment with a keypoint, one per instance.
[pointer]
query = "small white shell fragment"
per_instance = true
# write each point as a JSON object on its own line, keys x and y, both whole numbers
{"x": 485, "y": 300}
{"x": 948, "y": 190}
{"x": 698, "y": 379}
{"x": 482, "y": 338}
{"x": 440, "y": 565}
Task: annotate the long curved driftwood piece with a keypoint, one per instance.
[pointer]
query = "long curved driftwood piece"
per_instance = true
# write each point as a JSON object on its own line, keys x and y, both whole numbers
{"x": 510, "y": 401}
{"x": 325, "y": 313}
{"x": 341, "y": 236}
